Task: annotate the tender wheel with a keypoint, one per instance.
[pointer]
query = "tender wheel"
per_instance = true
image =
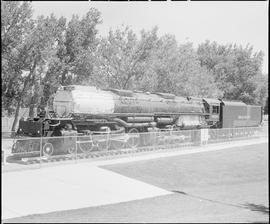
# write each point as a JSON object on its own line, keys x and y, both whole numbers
{"x": 134, "y": 138}
{"x": 47, "y": 149}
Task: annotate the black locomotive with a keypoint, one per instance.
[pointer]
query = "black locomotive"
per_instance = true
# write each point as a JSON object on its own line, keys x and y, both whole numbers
{"x": 86, "y": 117}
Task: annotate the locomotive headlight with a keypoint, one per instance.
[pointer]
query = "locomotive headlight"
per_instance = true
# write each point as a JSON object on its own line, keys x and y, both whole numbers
{"x": 38, "y": 132}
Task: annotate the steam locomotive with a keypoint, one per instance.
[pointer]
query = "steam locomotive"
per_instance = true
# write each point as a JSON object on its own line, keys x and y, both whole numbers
{"x": 89, "y": 114}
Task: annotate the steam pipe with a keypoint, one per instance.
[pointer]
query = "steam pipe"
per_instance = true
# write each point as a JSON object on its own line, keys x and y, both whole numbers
{"x": 134, "y": 125}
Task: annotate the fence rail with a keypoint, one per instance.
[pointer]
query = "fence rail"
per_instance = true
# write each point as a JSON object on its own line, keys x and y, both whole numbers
{"x": 77, "y": 146}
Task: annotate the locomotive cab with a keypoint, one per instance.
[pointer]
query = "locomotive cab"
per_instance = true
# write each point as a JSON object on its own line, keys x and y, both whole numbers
{"x": 212, "y": 110}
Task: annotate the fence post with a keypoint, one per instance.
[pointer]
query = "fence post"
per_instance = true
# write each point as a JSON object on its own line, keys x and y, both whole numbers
{"x": 204, "y": 136}
{"x": 155, "y": 142}
{"x": 76, "y": 148}
{"x": 3, "y": 158}
{"x": 40, "y": 148}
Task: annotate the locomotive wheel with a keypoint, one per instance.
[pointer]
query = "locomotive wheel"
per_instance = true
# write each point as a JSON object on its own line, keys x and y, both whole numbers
{"x": 34, "y": 146}
{"x": 160, "y": 138}
{"x": 19, "y": 148}
{"x": 47, "y": 149}
{"x": 86, "y": 145}
{"x": 72, "y": 150}
{"x": 251, "y": 133}
{"x": 170, "y": 139}
{"x": 118, "y": 141}
{"x": 104, "y": 144}
{"x": 148, "y": 138}
{"x": 95, "y": 145}
{"x": 134, "y": 138}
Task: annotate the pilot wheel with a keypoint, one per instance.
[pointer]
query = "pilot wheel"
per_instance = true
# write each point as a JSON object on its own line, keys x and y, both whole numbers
{"x": 47, "y": 149}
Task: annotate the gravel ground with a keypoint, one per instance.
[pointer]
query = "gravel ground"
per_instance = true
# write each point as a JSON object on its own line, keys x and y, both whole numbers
{"x": 220, "y": 186}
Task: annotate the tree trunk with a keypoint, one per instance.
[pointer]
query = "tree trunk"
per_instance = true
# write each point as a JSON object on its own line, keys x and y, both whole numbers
{"x": 36, "y": 98}
{"x": 16, "y": 119}
{"x": 25, "y": 86}
{"x": 34, "y": 101}
{"x": 31, "y": 108}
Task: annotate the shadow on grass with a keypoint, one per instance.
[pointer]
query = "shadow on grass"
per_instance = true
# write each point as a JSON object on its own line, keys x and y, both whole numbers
{"x": 258, "y": 208}
{"x": 250, "y": 206}
{"x": 206, "y": 199}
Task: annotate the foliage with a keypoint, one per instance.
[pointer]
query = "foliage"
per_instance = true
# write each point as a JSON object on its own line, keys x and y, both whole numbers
{"x": 39, "y": 55}
{"x": 16, "y": 24}
{"x": 266, "y": 106}
{"x": 236, "y": 70}
{"x": 176, "y": 69}
{"x": 122, "y": 57}
{"x": 75, "y": 54}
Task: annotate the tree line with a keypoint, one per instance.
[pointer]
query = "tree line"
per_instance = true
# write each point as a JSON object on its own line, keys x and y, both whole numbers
{"x": 40, "y": 54}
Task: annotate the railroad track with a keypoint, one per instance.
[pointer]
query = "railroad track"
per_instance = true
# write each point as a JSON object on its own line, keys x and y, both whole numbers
{"x": 90, "y": 155}
{"x": 103, "y": 153}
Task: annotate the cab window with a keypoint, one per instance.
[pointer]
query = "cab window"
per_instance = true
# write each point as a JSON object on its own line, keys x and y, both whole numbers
{"x": 215, "y": 110}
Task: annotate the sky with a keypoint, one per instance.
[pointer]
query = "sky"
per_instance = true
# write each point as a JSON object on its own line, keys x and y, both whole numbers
{"x": 237, "y": 22}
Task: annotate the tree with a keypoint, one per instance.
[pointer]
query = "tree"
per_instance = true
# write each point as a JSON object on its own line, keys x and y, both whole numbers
{"x": 192, "y": 78}
{"x": 75, "y": 54}
{"x": 16, "y": 23}
{"x": 80, "y": 45}
{"x": 266, "y": 106}
{"x": 261, "y": 92}
{"x": 44, "y": 39}
{"x": 122, "y": 57}
{"x": 176, "y": 69}
{"x": 234, "y": 69}
{"x": 28, "y": 57}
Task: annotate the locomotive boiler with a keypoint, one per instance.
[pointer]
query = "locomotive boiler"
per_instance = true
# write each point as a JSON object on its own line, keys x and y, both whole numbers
{"x": 93, "y": 109}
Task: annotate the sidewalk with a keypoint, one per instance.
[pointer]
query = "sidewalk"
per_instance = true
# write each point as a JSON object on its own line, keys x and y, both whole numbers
{"x": 68, "y": 187}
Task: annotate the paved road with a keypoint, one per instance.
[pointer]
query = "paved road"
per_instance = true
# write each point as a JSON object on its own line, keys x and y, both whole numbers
{"x": 229, "y": 185}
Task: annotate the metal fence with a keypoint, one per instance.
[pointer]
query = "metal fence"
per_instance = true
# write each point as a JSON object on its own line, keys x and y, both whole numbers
{"x": 75, "y": 146}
